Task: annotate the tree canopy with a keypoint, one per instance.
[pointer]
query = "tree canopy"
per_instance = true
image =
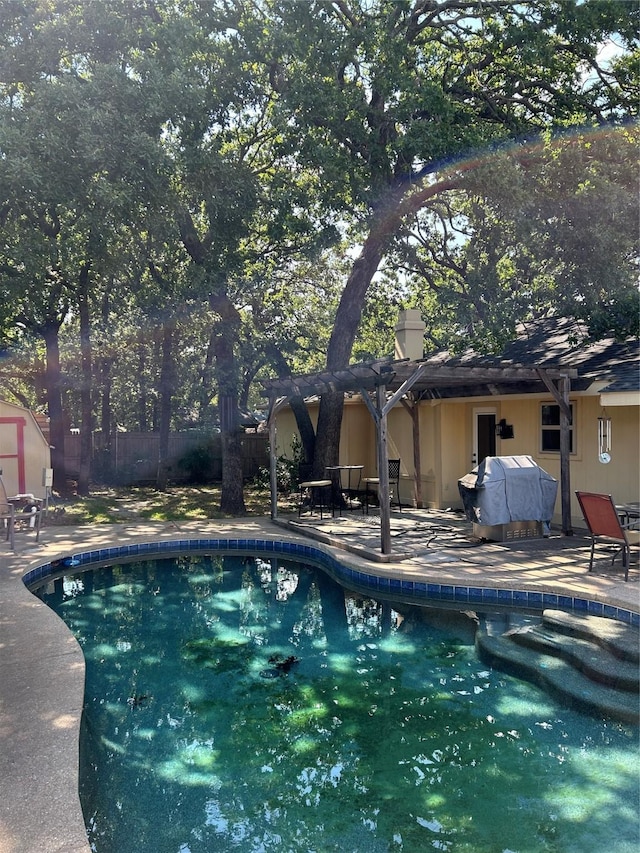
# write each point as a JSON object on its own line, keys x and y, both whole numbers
{"x": 197, "y": 193}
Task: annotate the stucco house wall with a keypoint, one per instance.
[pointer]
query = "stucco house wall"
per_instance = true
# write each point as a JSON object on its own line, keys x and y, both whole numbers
{"x": 620, "y": 477}
{"x": 606, "y": 385}
{"x": 24, "y": 451}
{"x": 446, "y": 444}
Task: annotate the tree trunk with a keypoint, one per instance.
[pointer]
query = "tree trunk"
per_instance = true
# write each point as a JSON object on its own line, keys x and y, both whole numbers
{"x": 402, "y": 200}
{"x": 105, "y": 365}
{"x": 156, "y": 372}
{"x": 298, "y": 407}
{"x": 206, "y": 382}
{"x": 167, "y": 376}
{"x": 141, "y": 349}
{"x": 344, "y": 332}
{"x": 86, "y": 415}
{"x": 54, "y": 404}
{"x": 226, "y": 373}
{"x": 232, "y": 496}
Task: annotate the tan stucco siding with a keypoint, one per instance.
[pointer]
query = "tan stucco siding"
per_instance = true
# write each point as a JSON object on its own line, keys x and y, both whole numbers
{"x": 430, "y": 460}
{"x": 400, "y": 439}
{"x": 36, "y": 455}
{"x": 358, "y": 438}
{"x": 454, "y": 430}
{"x": 621, "y": 476}
{"x": 286, "y": 428}
{"x": 446, "y": 445}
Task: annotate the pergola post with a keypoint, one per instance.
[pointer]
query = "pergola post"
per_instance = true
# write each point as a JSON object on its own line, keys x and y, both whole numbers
{"x": 561, "y": 395}
{"x": 564, "y": 384}
{"x": 411, "y": 406}
{"x": 379, "y": 414}
{"x": 275, "y": 404}
{"x": 383, "y": 473}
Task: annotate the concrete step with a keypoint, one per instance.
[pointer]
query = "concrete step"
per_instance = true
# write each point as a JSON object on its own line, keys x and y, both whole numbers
{"x": 556, "y": 675}
{"x": 623, "y": 641}
{"x": 589, "y": 658}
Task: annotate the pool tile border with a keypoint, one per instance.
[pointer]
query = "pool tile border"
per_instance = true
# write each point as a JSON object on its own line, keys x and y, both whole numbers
{"x": 419, "y": 591}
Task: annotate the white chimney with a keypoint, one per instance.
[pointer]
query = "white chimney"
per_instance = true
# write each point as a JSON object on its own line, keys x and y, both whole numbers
{"x": 410, "y": 335}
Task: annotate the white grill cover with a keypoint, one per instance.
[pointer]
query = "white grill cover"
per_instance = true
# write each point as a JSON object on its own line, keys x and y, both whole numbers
{"x": 508, "y": 488}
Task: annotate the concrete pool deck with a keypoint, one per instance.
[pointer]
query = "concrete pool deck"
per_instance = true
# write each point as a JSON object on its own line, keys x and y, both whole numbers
{"x": 42, "y": 667}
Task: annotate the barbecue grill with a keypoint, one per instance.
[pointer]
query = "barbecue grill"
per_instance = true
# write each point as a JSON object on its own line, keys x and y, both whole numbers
{"x": 508, "y": 497}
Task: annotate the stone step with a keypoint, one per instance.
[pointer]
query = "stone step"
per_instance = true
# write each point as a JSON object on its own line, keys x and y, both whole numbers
{"x": 558, "y": 677}
{"x": 622, "y": 640}
{"x": 589, "y": 658}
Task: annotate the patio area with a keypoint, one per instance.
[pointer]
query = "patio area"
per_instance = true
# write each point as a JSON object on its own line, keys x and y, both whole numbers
{"x": 439, "y": 545}
{"x": 42, "y": 667}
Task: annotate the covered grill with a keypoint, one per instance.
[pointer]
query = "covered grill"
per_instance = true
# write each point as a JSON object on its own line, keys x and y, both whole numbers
{"x": 508, "y": 497}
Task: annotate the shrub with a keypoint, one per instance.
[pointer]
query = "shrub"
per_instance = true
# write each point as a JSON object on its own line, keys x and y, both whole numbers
{"x": 199, "y": 463}
{"x": 286, "y": 470}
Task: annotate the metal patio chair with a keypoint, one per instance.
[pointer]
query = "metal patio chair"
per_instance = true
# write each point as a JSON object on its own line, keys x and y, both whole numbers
{"x": 23, "y": 512}
{"x": 394, "y": 483}
{"x": 604, "y": 525}
{"x": 313, "y": 493}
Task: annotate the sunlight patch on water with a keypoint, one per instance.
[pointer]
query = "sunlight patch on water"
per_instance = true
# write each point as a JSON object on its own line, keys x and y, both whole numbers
{"x": 340, "y": 663}
{"x": 184, "y": 773}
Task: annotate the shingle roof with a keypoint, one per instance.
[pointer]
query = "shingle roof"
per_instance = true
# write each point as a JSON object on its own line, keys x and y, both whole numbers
{"x": 626, "y": 377}
{"x": 559, "y": 341}
{"x": 556, "y": 346}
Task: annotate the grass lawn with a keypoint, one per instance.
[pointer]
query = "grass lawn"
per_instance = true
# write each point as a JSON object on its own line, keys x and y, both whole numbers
{"x": 178, "y": 503}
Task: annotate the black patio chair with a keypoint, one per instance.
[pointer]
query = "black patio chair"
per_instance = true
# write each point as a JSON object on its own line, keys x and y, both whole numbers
{"x": 394, "y": 482}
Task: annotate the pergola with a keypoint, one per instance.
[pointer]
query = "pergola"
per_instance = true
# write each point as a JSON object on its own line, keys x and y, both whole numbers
{"x": 384, "y": 383}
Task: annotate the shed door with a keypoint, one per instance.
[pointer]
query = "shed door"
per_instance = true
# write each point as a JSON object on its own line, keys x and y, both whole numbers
{"x": 12, "y": 453}
{"x": 484, "y": 434}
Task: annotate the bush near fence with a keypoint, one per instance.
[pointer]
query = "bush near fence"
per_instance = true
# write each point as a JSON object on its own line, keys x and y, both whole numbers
{"x": 131, "y": 458}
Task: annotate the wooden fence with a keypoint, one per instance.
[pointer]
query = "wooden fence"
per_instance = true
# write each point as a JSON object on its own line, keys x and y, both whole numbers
{"x": 131, "y": 458}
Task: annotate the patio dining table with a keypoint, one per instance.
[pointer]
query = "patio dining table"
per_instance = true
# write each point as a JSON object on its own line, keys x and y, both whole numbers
{"x": 335, "y": 472}
{"x": 629, "y": 514}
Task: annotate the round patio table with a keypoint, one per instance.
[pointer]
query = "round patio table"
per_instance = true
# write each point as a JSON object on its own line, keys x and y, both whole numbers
{"x": 335, "y": 472}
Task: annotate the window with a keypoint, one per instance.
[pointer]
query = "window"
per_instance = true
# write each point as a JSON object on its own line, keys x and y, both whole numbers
{"x": 550, "y": 432}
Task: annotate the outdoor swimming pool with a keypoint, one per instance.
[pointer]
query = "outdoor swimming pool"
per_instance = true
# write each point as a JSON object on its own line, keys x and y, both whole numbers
{"x": 246, "y": 702}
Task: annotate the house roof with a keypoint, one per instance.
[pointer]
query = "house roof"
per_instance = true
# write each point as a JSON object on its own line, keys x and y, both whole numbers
{"x": 626, "y": 377}
{"x": 553, "y": 347}
{"x": 561, "y": 343}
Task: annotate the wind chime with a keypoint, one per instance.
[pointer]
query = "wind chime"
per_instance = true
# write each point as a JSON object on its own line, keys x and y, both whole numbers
{"x": 604, "y": 438}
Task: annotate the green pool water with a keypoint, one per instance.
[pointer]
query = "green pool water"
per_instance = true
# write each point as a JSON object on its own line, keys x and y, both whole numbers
{"x": 385, "y": 733}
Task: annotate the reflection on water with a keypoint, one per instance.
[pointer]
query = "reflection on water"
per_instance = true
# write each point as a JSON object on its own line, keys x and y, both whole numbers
{"x": 384, "y": 732}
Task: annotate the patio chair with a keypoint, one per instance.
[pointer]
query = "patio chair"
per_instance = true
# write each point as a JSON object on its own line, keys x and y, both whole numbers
{"x": 604, "y": 524}
{"x": 7, "y": 521}
{"x": 394, "y": 482}
{"x": 313, "y": 493}
{"x": 394, "y": 479}
{"x": 24, "y": 512}
{"x": 7, "y": 516}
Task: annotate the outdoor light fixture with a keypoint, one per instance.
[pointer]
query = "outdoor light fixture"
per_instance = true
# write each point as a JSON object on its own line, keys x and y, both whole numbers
{"x": 504, "y": 430}
{"x": 604, "y": 439}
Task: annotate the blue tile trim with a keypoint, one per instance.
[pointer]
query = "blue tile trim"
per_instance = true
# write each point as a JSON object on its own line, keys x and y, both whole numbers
{"x": 416, "y": 590}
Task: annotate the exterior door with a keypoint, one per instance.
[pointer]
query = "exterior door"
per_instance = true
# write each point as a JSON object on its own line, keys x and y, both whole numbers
{"x": 12, "y": 461}
{"x": 484, "y": 434}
